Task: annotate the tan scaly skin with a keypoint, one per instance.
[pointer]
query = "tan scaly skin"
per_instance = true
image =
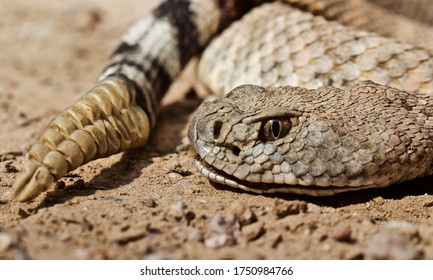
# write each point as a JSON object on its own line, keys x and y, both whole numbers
{"x": 317, "y": 142}
{"x": 314, "y": 142}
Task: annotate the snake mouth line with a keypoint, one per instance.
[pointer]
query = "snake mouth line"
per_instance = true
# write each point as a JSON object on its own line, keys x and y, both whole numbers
{"x": 263, "y": 188}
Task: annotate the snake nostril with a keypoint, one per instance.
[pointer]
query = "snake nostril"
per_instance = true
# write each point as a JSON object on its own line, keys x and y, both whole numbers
{"x": 217, "y": 128}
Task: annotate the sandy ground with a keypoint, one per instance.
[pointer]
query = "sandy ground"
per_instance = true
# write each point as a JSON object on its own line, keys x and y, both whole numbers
{"x": 151, "y": 203}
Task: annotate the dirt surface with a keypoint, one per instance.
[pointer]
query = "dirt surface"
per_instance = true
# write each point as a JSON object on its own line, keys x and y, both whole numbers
{"x": 151, "y": 203}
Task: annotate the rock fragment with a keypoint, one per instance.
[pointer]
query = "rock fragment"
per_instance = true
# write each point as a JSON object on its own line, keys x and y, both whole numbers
{"x": 253, "y": 231}
{"x": 223, "y": 231}
{"x": 391, "y": 245}
{"x": 341, "y": 233}
{"x": 285, "y": 208}
{"x": 243, "y": 213}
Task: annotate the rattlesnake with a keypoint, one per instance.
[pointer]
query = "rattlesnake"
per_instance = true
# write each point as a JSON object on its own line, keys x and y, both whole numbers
{"x": 315, "y": 142}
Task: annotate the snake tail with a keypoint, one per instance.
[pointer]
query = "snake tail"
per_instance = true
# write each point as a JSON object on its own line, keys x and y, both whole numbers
{"x": 105, "y": 121}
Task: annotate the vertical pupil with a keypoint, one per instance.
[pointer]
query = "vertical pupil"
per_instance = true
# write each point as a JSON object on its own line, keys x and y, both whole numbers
{"x": 275, "y": 128}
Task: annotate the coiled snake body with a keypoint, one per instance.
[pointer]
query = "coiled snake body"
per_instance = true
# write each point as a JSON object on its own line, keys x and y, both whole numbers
{"x": 274, "y": 136}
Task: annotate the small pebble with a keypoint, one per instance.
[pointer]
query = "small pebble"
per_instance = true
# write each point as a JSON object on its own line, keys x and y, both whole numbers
{"x": 89, "y": 20}
{"x": 222, "y": 225}
{"x": 379, "y": 200}
{"x": 123, "y": 237}
{"x": 178, "y": 211}
{"x": 178, "y": 169}
{"x": 319, "y": 235}
{"x": 284, "y": 208}
{"x": 65, "y": 236}
{"x": 178, "y": 206}
{"x": 223, "y": 231}
{"x": 216, "y": 241}
{"x": 341, "y": 233}
{"x": 22, "y": 119}
{"x": 5, "y": 196}
{"x": 5, "y": 241}
{"x": 196, "y": 235}
{"x": 403, "y": 227}
{"x": 253, "y": 231}
{"x": 313, "y": 208}
{"x": 354, "y": 254}
{"x": 112, "y": 199}
{"x": 150, "y": 202}
{"x": 390, "y": 245}
{"x": 242, "y": 212}
{"x": 326, "y": 247}
{"x": 173, "y": 175}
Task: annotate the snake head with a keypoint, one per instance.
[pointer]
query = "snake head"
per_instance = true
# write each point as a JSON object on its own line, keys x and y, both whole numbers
{"x": 315, "y": 142}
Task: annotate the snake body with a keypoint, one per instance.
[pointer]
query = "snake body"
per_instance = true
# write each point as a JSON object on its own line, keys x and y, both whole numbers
{"x": 259, "y": 138}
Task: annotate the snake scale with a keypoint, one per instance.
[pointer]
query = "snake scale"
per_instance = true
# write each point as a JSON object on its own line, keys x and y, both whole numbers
{"x": 334, "y": 106}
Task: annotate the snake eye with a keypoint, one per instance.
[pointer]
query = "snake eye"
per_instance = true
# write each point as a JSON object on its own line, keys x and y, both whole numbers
{"x": 274, "y": 129}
